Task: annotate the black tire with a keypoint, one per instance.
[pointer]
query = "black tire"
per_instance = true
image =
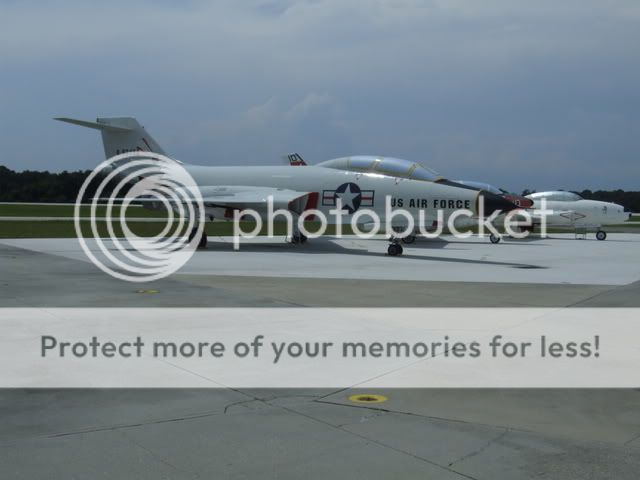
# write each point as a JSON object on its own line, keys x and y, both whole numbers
{"x": 409, "y": 240}
{"x": 493, "y": 238}
{"x": 601, "y": 235}
{"x": 202, "y": 243}
{"x": 394, "y": 250}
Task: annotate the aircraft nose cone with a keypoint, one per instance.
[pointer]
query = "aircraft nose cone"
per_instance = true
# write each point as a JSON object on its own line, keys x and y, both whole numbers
{"x": 493, "y": 202}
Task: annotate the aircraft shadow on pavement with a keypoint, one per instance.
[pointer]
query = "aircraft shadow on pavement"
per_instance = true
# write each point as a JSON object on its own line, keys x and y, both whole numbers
{"x": 505, "y": 241}
{"x": 588, "y": 239}
{"x": 327, "y": 246}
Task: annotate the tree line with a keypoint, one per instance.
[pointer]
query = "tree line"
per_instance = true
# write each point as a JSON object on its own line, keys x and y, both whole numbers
{"x": 47, "y": 187}
{"x": 63, "y": 187}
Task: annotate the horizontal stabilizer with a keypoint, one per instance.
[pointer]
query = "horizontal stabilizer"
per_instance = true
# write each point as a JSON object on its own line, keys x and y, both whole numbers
{"x": 119, "y": 135}
{"x": 96, "y": 125}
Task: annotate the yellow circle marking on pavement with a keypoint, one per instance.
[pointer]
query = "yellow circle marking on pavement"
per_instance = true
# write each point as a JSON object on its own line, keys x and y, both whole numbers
{"x": 368, "y": 398}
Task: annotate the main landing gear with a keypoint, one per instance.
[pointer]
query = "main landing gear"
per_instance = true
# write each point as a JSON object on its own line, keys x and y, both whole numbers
{"x": 395, "y": 248}
{"x": 298, "y": 238}
{"x": 202, "y": 242}
{"x": 601, "y": 235}
{"x": 409, "y": 239}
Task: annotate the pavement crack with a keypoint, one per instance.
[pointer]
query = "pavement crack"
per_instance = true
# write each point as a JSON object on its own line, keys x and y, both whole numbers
{"x": 348, "y": 432}
{"x": 289, "y": 395}
{"x": 237, "y": 404}
{"x": 591, "y": 297}
{"x": 130, "y": 425}
{"x": 364, "y": 418}
{"x": 481, "y": 449}
{"x": 419, "y": 415}
{"x": 158, "y": 458}
{"x": 380, "y": 444}
{"x": 632, "y": 439}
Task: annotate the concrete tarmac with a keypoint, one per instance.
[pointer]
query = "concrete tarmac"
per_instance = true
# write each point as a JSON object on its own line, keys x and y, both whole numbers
{"x": 291, "y": 434}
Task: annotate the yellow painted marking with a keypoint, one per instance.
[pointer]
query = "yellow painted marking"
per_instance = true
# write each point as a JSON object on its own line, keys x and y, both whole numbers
{"x": 368, "y": 398}
{"x": 147, "y": 291}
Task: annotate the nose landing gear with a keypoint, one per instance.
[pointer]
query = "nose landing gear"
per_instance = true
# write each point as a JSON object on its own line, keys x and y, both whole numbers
{"x": 601, "y": 235}
{"x": 394, "y": 248}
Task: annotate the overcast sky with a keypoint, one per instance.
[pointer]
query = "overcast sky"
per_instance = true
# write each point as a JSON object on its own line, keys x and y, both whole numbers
{"x": 538, "y": 94}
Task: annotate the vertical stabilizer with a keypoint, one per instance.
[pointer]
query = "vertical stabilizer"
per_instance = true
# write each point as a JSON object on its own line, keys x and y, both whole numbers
{"x": 120, "y": 135}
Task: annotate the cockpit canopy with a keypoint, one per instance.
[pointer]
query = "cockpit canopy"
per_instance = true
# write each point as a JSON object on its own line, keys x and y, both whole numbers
{"x": 395, "y": 167}
{"x": 557, "y": 196}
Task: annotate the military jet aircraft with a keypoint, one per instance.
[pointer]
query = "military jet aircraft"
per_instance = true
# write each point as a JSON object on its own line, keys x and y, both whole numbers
{"x": 405, "y": 169}
{"x": 400, "y": 168}
{"x": 232, "y": 188}
{"x": 570, "y": 210}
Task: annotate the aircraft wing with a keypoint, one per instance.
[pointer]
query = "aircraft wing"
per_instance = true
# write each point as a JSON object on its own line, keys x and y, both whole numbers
{"x": 257, "y": 198}
{"x": 239, "y": 197}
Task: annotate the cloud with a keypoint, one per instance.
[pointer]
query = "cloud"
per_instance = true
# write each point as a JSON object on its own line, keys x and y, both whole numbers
{"x": 264, "y": 132}
{"x": 522, "y": 94}
{"x": 311, "y": 103}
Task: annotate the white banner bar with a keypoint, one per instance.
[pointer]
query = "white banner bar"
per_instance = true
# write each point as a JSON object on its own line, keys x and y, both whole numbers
{"x": 290, "y": 348}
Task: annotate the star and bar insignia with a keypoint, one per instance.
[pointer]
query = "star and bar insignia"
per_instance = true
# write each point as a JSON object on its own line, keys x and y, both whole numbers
{"x": 350, "y": 195}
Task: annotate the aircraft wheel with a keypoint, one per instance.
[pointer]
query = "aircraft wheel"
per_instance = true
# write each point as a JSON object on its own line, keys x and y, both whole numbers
{"x": 493, "y": 238}
{"x": 410, "y": 239}
{"x": 202, "y": 243}
{"x": 297, "y": 238}
{"x": 394, "y": 250}
{"x": 601, "y": 235}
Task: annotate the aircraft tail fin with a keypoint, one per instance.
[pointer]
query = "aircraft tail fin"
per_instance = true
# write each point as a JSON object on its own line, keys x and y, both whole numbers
{"x": 120, "y": 135}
